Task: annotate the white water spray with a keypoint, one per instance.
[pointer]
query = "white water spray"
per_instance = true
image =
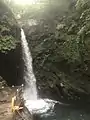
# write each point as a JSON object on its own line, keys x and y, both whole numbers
{"x": 30, "y": 92}
{"x": 33, "y": 103}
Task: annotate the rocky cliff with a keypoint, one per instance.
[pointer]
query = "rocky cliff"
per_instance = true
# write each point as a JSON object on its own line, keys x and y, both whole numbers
{"x": 9, "y": 45}
{"x": 61, "y": 52}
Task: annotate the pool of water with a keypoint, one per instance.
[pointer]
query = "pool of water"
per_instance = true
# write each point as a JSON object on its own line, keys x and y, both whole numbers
{"x": 61, "y": 112}
{"x": 46, "y": 109}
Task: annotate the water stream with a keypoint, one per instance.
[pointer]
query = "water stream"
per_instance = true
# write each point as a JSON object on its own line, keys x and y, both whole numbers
{"x": 30, "y": 81}
{"x": 30, "y": 95}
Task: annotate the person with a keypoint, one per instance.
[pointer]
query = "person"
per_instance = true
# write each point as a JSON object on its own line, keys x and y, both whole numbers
{"x": 15, "y": 107}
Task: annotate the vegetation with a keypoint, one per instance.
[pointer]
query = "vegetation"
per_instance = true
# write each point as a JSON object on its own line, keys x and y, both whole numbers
{"x": 61, "y": 51}
{"x": 58, "y": 35}
{"x": 8, "y": 29}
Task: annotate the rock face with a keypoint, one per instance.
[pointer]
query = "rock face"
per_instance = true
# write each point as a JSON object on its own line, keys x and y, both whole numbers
{"x": 61, "y": 53}
{"x": 10, "y": 57}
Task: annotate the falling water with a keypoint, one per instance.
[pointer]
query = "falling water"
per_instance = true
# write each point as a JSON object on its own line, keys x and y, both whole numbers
{"x": 33, "y": 103}
{"x": 30, "y": 92}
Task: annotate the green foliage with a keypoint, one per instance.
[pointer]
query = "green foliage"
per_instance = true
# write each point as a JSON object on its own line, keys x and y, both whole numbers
{"x": 70, "y": 49}
{"x": 82, "y": 4}
{"x": 4, "y": 28}
{"x": 7, "y": 43}
{"x": 61, "y": 42}
{"x": 9, "y": 35}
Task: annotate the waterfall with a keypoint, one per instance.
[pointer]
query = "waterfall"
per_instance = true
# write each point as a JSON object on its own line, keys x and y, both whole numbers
{"x": 30, "y": 92}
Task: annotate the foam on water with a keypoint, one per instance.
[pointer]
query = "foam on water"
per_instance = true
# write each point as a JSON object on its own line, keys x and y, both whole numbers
{"x": 40, "y": 105}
